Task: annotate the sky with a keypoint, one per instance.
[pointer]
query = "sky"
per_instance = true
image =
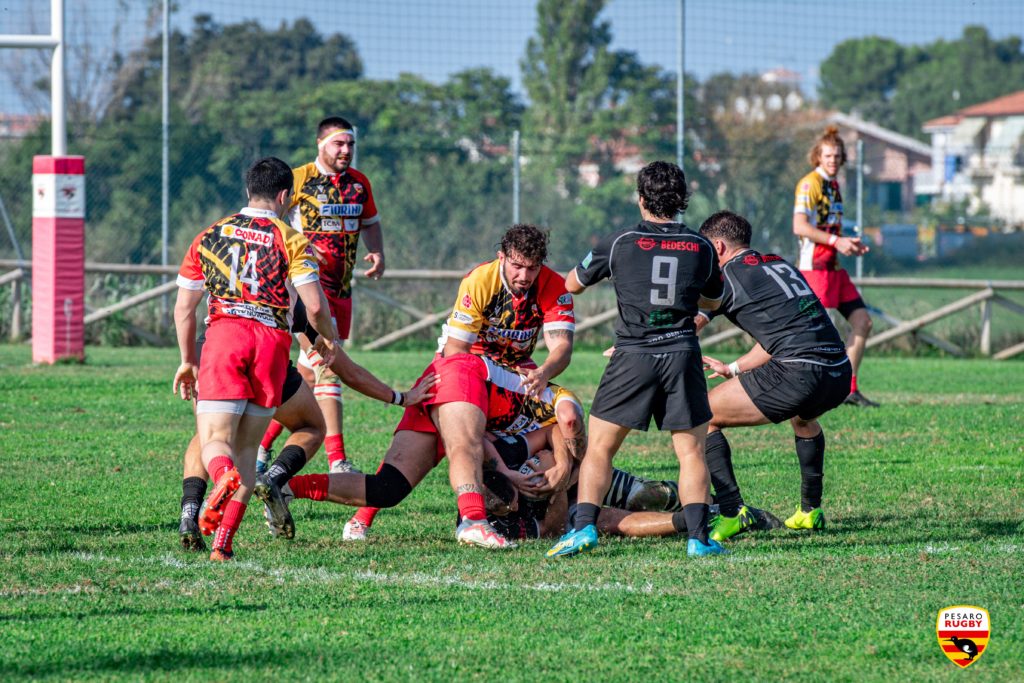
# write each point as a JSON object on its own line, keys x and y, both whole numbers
{"x": 435, "y": 38}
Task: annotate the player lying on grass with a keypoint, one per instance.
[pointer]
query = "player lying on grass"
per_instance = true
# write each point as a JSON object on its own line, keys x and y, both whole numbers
{"x": 419, "y": 445}
{"x": 798, "y": 370}
{"x": 301, "y": 415}
{"x": 244, "y": 262}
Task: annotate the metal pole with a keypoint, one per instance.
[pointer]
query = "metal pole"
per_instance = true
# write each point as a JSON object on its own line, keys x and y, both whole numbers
{"x": 680, "y": 75}
{"x": 860, "y": 202}
{"x": 165, "y": 147}
{"x": 355, "y": 150}
{"x": 58, "y": 115}
{"x": 515, "y": 176}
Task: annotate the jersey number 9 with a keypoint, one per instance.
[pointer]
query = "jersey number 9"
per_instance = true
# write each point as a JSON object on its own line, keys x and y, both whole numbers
{"x": 663, "y": 272}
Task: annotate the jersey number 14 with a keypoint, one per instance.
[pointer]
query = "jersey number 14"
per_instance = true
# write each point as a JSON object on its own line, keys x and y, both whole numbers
{"x": 248, "y": 274}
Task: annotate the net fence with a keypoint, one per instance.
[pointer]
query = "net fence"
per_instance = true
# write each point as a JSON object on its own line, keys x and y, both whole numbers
{"x": 439, "y": 90}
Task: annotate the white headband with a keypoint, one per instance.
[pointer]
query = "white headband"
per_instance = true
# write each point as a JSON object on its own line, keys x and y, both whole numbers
{"x": 330, "y": 136}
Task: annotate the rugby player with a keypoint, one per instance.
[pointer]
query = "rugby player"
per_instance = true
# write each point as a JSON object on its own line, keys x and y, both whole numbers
{"x": 818, "y": 223}
{"x": 662, "y": 272}
{"x": 302, "y": 417}
{"x": 244, "y": 262}
{"x": 333, "y": 206}
{"x": 797, "y": 371}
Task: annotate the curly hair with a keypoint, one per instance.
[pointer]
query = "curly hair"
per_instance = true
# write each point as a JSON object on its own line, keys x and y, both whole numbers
{"x": 526, "y": 240}
{"x": 831, "y": 138}
{"x": 662, "y": 186}
{"x": 728, "y": 226}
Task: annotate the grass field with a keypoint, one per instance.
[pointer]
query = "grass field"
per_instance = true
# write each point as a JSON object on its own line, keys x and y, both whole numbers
{"x": 924, "y": 498}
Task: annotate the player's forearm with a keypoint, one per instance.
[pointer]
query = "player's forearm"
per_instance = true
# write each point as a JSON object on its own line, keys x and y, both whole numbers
{"x": 373, "y": 238}
{"x": 359, "y": 378}
{"x": 318, "y": 311}
{"x": 559, "y": 343}
{"x": 705, "y": 304}
{"x": 185, "y": 325}
{"x": 754, "y": 358}
{"x": 802, "y": 228}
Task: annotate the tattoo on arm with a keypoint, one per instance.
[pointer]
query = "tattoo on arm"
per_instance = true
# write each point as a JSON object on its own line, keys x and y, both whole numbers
{"x": 468, "y": 488}
{"x": 577, "y": 446}
{"x": 560, "y": 333}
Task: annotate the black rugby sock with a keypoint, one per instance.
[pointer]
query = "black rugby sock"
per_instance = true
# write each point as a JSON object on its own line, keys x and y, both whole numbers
{"x": 618, "y": 492}
{"x": 586, "y": 514}
{"x": 718, "y": 456}
{"x": 811, "y": 453}
{"x": 289, "y": 462}
{"x": 679, "y": 522}
{"x": 192, "y": 489}
{"x": 696, "y": 516}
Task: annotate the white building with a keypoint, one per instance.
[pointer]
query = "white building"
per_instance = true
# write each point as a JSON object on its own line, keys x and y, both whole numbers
{"x": 978, "y": 155}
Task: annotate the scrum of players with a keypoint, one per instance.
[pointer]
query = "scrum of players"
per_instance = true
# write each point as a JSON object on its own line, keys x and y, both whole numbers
{"x": 523, "y": 461}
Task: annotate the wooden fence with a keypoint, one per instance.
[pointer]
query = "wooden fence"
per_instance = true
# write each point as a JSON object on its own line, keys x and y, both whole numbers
{"x": 986, "y": 296}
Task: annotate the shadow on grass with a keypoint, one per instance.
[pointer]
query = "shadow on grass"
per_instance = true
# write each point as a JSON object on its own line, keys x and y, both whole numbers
{"x": 184, "y": 611}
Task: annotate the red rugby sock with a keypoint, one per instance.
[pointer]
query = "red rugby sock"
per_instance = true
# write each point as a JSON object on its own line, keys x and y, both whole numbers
{"x": 274, "y": 430}
{"x": 366, "y": 515}
{"x": 233, "y": 514}
{"x": 310, "y": 486}
{"x": 471, "y": 506}
{"x": 335, "y": 446}
{"x": 853, "y": 383}
{"x": 219, "y": 464}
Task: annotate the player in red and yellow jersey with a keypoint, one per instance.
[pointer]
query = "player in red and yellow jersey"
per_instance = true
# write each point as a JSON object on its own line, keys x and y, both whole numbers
{"x": 333, "y": 206}
{"x": 244, "y": 262}
{"x": 818, "y": 222}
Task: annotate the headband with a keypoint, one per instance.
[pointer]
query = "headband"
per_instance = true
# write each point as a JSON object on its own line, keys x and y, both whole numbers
{"x": 330, "y": 136}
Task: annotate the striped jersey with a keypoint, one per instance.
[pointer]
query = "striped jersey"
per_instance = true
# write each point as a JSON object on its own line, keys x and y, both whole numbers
{"x": 245, "y": 261}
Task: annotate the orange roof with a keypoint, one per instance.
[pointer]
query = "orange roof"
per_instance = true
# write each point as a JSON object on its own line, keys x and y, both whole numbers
{"x": 1007, "y": 105}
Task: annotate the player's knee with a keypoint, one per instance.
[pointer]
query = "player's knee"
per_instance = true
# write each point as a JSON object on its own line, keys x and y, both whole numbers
{"x": 387, "y": 488}
{"x": 328, "y": 387}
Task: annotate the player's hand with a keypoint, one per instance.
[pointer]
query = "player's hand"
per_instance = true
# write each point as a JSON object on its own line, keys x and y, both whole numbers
{"x": 851, "y": 246}
{"x": 552, "y": 480}
{"x": 423, "y": 390}
{"x": 534, "y": 381}
{"x": 376, "y": 269}
{"x": 608, "y": 352}
{"x": 327, "y": 349}
{"x": 720, "y": 368}
{"x": 700, "y": 321}
{"x": 186, "y": 381}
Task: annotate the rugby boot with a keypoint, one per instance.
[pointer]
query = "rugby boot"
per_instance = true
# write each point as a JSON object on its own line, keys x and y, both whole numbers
{"x": 275, "y": 507}
{"x": 764, "y": 520}
{"x": 479, "y": 532}
{"x": 860, "y": 400}
{"x": 654, "y": 495}
{"x": 726, "y": 527}
{"x": 213, "y": 513}
{"x": 221, "y": 555}
{"x": 815, "y": 519}
{"x": 354, "y": 530}
{"x": 343, "y": 467}
{"x": 694, "y": 548}
{"x": 191, "y": 538}
{"x": 575, "y": 542}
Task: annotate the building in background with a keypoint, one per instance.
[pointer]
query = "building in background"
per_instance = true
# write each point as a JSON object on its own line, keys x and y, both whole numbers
{"x": 978, "y": 156}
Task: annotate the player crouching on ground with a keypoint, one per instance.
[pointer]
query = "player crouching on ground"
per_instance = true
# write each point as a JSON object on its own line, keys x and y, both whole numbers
{"x": 244, "y": 261}
{"x": 797, "y": 371}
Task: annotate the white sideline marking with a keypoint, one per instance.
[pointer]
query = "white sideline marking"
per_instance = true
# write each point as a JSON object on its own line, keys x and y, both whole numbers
{"x": 322, "y": 575}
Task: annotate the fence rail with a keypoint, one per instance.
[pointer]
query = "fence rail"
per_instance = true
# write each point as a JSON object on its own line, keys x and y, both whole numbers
{"x": 985, "y": 297}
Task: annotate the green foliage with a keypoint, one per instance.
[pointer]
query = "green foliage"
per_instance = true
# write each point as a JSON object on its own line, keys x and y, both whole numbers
{"x": 901, "y": 87}
{"x": 922, "y": 498}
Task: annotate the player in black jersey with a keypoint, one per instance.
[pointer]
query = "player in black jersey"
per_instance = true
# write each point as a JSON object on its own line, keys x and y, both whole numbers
{"x": 798, "y": 370}
{"x": 662, "y": 272}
